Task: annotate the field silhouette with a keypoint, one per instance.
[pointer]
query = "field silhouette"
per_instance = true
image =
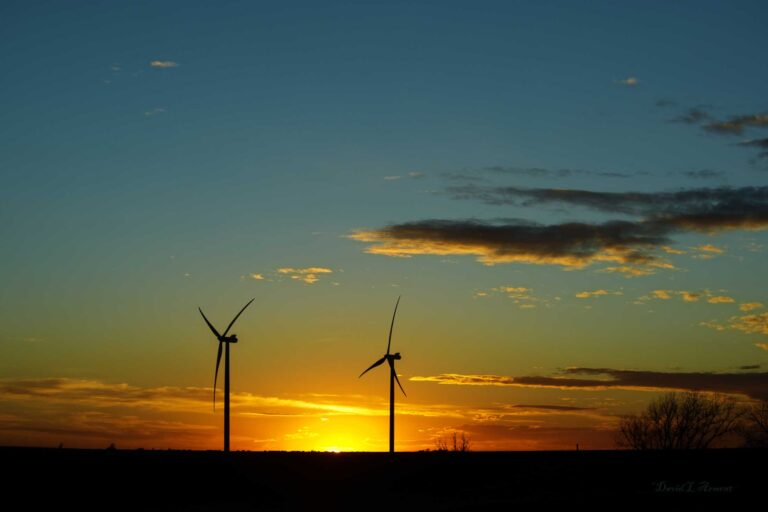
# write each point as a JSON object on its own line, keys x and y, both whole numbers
{"x": 189, "y": 480}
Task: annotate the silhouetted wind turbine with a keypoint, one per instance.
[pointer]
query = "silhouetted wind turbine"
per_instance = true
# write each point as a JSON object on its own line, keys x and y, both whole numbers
{"x": 390, "y": 358}
{"x": 224, "y": 339}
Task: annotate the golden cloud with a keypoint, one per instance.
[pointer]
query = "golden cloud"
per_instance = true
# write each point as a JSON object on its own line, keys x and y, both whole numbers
{"x": 628, "y": 271}
{"x": 689, "y": 296}
{"x": 163, "y": 64}
{"x": 751, "y": 323}
{"x": 308, "y": 275}
{"x": 710, "y": 248}
{"x": 492, "y": 247}
{"x": 720, "y": 299}
{"x": 596, "y": 293}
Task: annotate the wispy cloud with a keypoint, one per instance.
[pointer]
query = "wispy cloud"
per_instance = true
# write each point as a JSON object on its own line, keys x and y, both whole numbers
{"x": 749, "y": 306}
{"x": 688, "y": 296}
{"x": 414, "y": 175}
{"x": 155, "y": 111}
{"x": 695, "y": 208}
{"x": 539, "y": 172}
{"x": 596, "y": 293}
{"x": 164, "y": 64}
{"x": 256, "y": 277}
{"x": 554, "y": 407}
{"x": 665, "y": 103}
{"x": 751, "y": 384}
{"x": 721, "y": 299}
{"x": 630, "y": 81}
{"x": 309, "y": 275}
{"x": 520, "y": 295}
{"x": 629, "y": 271}
{"x": 693, "y": 115}
{"x": 756, "y": 143}
{"x": 749, "y": 324}
{"x": 672, "y": 250}
{"x": 704, "y": 174}
{"x": 757, "y": 323}
{"x": 710, "y": 248}
{"x": 735, "y": 125}
{"x": 707, "y": 251}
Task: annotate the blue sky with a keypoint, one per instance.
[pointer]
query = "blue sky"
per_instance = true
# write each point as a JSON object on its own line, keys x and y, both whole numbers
{"x": 155, "y": 155}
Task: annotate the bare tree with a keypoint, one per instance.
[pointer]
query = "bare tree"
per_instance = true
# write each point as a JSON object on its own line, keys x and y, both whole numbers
{"x": 441, "y": 444}
{"x": 454, "y": 443}
{"x": 755, "y": 428}
{"x": 679, "y": 421}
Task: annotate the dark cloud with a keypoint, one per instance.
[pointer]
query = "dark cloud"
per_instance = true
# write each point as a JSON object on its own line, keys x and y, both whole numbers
{"x": 750, "y": 367}
{"x": 754, "y": 385}
{"x": 756, "y": 143}
{"x": 707, "y": 208}
{"x": 703, "y": 174}
{"x": 735, "y": 125}
{"x": 694, "y": 115}
{"x": 573, "y": 244}
{"x": 461, "y": 176}
{"x": 664, "y": 103}
{"x": 540, "y": 172}
{"x": 482, "y": 173}
{"x": 554, "y": 407}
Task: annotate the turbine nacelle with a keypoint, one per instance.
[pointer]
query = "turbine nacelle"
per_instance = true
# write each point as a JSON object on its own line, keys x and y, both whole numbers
{"x": 229, "y": 339}
{"x": 396, "y": 355}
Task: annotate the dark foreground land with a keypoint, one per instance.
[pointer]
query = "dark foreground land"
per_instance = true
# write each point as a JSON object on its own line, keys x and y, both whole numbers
{"x": 51, "y": 479}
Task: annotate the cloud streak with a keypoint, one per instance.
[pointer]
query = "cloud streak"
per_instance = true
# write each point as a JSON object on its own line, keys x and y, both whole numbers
{"x": 596, "y": 293}
{"x": 103, "y": 395}
{"x": 735, "y": 125}
{"x": 630, "y": 81}
{"x": 707, "y": 207}
{"x": 309, "y": 275}
{"x": 163, "y": 64}
{"x": 754, "y": 385}
{"x": 575, "y": 244}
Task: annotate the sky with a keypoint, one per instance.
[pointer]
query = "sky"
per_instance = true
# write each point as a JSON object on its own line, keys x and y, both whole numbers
{"x": 571, "y": 199}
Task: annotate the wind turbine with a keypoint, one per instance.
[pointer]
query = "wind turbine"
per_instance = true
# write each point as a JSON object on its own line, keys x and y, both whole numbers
{"x": 224, "y": 339}
{"x": 390, "y": 358}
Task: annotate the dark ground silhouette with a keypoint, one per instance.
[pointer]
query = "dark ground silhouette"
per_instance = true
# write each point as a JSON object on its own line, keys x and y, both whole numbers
{"x": 50, "y": 479}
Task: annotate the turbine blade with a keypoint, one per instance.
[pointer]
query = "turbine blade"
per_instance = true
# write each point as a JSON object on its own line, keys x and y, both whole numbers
{"x": 238, "y": 315}
{"x": 394, "y": 374}
{"x": 216, "y": 375}
{"x": 374, "y": 365}
{"x": 215, "y": 332}
{"x": 392, "y": 325}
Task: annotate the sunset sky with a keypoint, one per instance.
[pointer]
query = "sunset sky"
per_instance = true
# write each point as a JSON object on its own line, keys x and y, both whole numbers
{"x": 571, "y": 199}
